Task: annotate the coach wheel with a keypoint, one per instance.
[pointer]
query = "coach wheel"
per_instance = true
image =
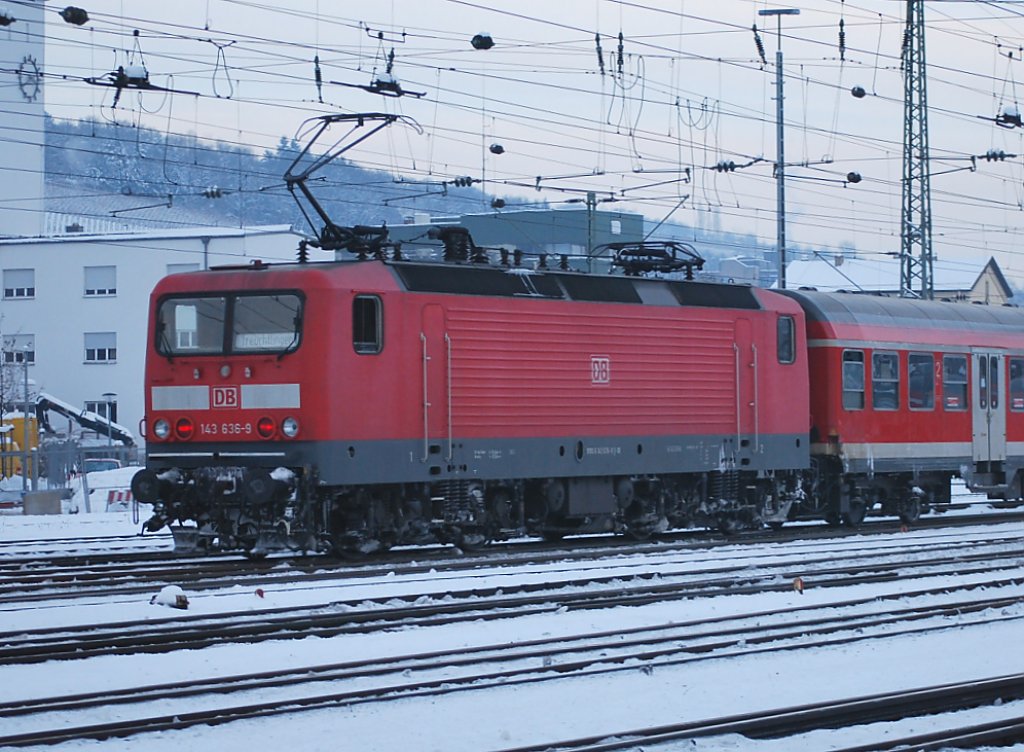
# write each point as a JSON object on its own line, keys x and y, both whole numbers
{"x": 727, "y": 524}
{"x": 910, "y": 509}
{"x": 855, "y": 514}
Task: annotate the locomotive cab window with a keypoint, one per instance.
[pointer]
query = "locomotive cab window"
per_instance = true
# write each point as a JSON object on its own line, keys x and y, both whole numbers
{"x": 885, "y": 381}
{"x": 853, "y": 380}
{"x": 367, "y": 324}
{"x": 786, "y": 340}
{"x": 229, "y": 324}
{"x": 921, "y": 381}
{"x": 1017, "y": 384}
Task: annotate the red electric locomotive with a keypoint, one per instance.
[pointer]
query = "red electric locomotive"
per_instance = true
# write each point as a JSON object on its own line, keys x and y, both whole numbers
{"x": 355, "y": 405}
{"x": 360, "y": 404}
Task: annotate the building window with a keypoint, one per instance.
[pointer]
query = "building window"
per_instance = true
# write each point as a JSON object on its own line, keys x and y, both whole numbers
{"x": 100, "y": 280}
{"x": 19, "y": 283}
{"x": 885, "y": 381}
{"x": 853, "y": 380}
{"x": 19, "y": 348}
{"x": 367, "y": 328}
{"x": 100, "y": 347}
{"x": 954, "y": 382}
{"x": 1017, "y": 384}
{"x": 100, "y": 408}
{"x": 786, "y": 339}
{"x": 181, "y": 268}
{"x": 921, "y": 381}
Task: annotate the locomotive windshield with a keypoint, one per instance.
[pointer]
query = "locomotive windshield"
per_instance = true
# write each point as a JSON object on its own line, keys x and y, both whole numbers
{"x": 229, "y": 324}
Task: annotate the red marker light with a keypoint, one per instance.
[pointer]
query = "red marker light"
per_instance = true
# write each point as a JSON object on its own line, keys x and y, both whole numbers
{"x": 265, "y": 427}
{"x": 185, "y": 428}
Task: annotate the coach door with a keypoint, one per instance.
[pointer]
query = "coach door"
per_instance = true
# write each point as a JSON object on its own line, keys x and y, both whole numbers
{"x": 988, "y": 406}
{"x": 436, "y": 382}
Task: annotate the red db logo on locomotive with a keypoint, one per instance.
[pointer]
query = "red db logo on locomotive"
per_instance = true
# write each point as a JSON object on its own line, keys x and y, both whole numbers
{"x": 225, "y": 396}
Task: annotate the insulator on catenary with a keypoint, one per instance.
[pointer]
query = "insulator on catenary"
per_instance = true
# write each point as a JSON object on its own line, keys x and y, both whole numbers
{"x": 760, "y": 45}
{"x": 600, "y": 53}
{"x": 725, "y": 166}
{"x": 213, "y": 192}
{"x": 74, "y": 16}
{"x": 842, "y": 40}
{"x": 482, "y": 41}
{"x": 319, "y": 78}
{"x": 994, "y": 155}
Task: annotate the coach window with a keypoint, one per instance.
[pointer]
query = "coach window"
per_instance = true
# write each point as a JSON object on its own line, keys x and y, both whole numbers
{"x": 885, "y": 381}
{"x": 853, "y": 380}
{"x": 786, "y": 340}
{"x": 921, "y": 381}
{"x": 367, "y": 324}
{"x": 954, "y": 382}
{"x": 1017, "y": 384}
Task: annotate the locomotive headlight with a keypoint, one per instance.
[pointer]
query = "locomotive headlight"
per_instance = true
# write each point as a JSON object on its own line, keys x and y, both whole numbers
{"x": 161, "y": 429}
{"x": 290, "y": 427}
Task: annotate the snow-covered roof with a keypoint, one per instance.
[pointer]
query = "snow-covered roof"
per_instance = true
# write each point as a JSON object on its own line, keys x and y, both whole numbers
{"x": 878, "y": 274}
{"x": 170, "y": 234}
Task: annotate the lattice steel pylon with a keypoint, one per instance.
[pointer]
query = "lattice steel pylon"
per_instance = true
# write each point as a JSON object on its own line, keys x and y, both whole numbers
{"x": 916, "y": 216}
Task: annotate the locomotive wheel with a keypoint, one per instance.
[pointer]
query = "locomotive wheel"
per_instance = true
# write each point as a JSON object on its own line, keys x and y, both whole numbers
{"x": 638, "y": 532}
{"x": 471, "y": 540}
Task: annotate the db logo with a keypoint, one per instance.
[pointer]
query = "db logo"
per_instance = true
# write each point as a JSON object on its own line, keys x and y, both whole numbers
{"x": 225, "y": 396}
{"x": 600, "y": 369}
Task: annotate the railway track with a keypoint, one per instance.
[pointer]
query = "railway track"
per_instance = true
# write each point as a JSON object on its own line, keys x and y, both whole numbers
{"x": 789, "y": 722}
{"x": 630, "y": 586}
{"x": 225, "y": 699}
{"x": 25, "y": 584}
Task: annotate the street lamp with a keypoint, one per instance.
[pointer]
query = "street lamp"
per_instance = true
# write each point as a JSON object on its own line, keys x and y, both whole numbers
{"x": 780, "y": 168}
{"x": 109, "y": 397}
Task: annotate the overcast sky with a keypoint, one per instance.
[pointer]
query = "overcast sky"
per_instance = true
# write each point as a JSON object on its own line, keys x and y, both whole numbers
{"x": 689, "y": 91}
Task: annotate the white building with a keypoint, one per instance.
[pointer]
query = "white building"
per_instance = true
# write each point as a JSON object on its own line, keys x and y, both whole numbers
{"x": 75, "y": 307}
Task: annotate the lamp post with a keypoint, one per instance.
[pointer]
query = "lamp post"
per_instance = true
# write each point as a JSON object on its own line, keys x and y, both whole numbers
{"x": 780, "y": 166}
{"x": 109, "y": 397}
{"x": 25, "y": 446}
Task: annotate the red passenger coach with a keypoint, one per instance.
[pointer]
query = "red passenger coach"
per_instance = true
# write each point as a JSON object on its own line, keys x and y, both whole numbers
{"x": 906, "y": 394}
{"x": 365, "y": 403}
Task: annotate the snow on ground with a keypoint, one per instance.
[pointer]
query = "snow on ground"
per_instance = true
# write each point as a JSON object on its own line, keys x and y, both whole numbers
{"x": 501, "y": 717}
